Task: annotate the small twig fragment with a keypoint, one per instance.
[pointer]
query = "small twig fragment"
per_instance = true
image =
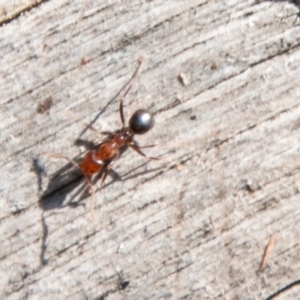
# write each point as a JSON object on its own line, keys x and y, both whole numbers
{"x": 44, "y": 106}
{"x": 183, "y": 79}
{"x": 84, "y": 60}
{"x": 267, "y": 251}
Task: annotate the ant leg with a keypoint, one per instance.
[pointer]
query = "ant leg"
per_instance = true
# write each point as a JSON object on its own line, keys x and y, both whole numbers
{"x": 110, "y": 134}
{"x": 135, "y": 76}
{"x": 87, "y": 178}
{"x": 154, "y": 145}
{"x": 137, "y": 149}
{"x": 92, "y": 201}
{"x": 91, "y": 190}
{"x": 147, "y": 146}
{"x": 122, "y": 113}
{"x": 97, "y": 142}
{"x": 88, "y": 125}
{"x": 133, "y": 80}
{"x": 108, "y": 167}
{"x": 103, "y": 177}
{"x": 56, "y": 155}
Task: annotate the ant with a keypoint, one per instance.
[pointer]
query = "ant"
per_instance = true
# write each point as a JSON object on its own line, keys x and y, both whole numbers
{"x": 107, "y": 152}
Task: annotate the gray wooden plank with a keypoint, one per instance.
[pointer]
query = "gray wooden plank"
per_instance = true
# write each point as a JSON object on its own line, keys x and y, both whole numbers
{"x": 196, "y": 233}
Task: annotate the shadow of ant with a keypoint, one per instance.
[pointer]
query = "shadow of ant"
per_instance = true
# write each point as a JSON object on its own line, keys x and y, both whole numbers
{"x": 82, "y": 173}
{"x": 63, "y": 182}
{"x": 67, "y": 179}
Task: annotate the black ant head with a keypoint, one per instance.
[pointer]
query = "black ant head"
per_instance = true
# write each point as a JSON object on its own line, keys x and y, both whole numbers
{"x": 141, "y": 122}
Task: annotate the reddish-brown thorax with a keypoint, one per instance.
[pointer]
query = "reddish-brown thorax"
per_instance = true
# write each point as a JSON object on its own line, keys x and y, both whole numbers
{"x": 94, "y": 160}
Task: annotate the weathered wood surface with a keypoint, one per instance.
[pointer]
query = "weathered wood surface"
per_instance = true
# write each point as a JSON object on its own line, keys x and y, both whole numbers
{"x": 161, "y": 233}
{"x": 12, "y": 9}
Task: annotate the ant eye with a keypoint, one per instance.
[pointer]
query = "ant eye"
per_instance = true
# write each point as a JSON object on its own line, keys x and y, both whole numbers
{"x": 141, "y": 121}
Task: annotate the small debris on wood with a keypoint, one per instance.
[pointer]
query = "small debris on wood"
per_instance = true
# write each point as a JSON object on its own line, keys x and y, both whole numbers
{"x": 44, "y": 106}
{"x": 193, "y": 117}
{"x": 266, "y": 253}
{"x": 84, "y": 60}
{"x": 122, "y": 284}
{"x": 183, "y": 79}
{"x": 250, "y": 187}
{"x": 213, "y": 65}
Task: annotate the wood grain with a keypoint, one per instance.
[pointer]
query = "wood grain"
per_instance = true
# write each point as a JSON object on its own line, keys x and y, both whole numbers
{"x": 10, "y": 10}
{"x": 161, "y": 233}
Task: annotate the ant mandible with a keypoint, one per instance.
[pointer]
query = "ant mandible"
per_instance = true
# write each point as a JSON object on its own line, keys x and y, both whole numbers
{"x": 107, "y": 152}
